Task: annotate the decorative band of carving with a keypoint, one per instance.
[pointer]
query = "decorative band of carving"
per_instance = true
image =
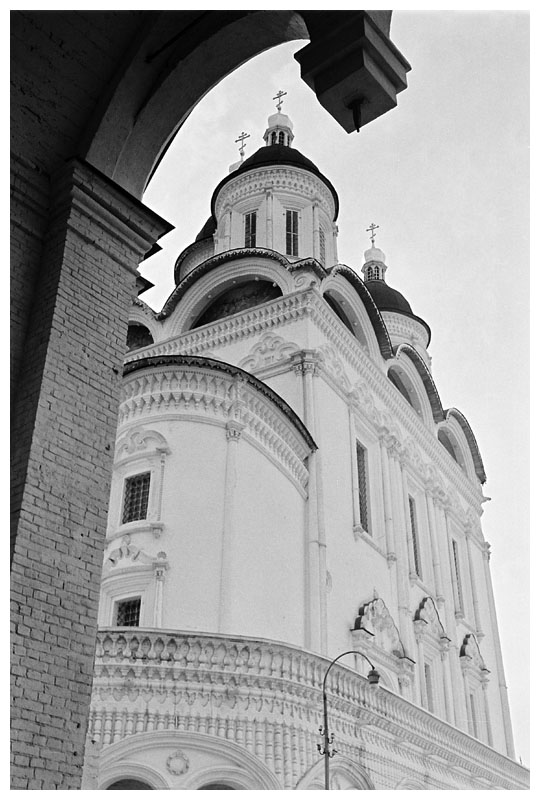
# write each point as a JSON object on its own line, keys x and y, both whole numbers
{"x": 199, "y": 677}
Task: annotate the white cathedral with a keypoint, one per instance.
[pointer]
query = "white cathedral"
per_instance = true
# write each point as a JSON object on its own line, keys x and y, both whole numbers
{"x": 288, "y": 488}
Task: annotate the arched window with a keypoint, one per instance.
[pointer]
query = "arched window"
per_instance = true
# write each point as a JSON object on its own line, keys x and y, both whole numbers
{"x": 281, "y": 137}
{"x": 138, "y": 336}
{"x": 274, "y": 138}
{"x": 130, "y": 783}
{"x": 322, "y": 247}
{"x": 373, "y": 273}
{"x": 398, "y": 382}
{"x": 238, "y": 298}
{"x": 216, "y": 786}
{"x": 444, "y": 439}
{"x": 338, "y": 311}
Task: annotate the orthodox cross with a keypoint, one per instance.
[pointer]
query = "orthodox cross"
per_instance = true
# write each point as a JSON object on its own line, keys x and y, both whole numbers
{"x": 372, "y": 228}
{"x": 241, "y": 139}
{"x": 278, "y": 97}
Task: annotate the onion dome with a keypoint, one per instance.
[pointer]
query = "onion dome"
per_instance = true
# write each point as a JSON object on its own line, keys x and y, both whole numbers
{"x": 279, "y": 130}
{"x": 276, "y": 155}
{"x": 389, "y": 302}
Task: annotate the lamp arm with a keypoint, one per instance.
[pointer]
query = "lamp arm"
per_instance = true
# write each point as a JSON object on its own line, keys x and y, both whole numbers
{"x": 346, "y": 653}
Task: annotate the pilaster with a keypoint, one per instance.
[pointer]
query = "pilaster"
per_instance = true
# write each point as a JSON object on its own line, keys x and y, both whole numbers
{"x": 64, "y": 423}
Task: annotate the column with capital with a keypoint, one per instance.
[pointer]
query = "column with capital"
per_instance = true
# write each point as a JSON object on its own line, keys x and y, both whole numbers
{"x": 472, "y": 581}
{"x": 269, "y": 209}
{"x": 391, "y": 557}
{"x": 458, "y": 692}
{"x": 503, "y": 691}
{"x": 306, "y": 367}
{"x": 435, "y": 549}
{"x": 315, "y": 238}
{"x": 400, "y": 543}
{"x": 233, "y": 432}
{"x": 447, "y": 684}
{"x": 419, "y": 633}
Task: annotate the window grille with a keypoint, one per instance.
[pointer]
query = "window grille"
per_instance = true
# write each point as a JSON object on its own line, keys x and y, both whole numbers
{"x": 361, "y": 462}
{"x": 250, "y": 228}
{"x": 457, "y": 576}
{"x": 429, "y": 688}
{"x": 291, "y": 244}
{"x": 128, "y": 613}
{"x": 136, "y": 492}
{"x": 474, "y": 717}
{"x": 414, "y": 535}
{"x": 322, "y": 247}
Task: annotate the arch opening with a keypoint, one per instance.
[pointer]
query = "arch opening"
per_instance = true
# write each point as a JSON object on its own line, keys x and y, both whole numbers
{"x": 238, "y": 298}
{"x": 130, "y": 784}
{"x": 138, "y": 336}
{"x": 403, "y": 384}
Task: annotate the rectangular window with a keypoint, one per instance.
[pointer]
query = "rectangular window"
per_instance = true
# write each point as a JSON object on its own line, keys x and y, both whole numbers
{"x": 361, "y": 463}
{"x": 474, "y": 717}
{"x": 291, "y": 244}
{"x": 457, "y": 576}
{"x": 322, "y": 247}
{"x": 136, "y": 491}
{"x": 250, "y": 229}
{"x": 414, "y": 536}
{"x": 429, "y": 688}
{"x": 128, "y": 613}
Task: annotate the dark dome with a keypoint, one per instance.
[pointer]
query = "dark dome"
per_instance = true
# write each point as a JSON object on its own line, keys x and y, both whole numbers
{"x": 277, "y": 154}
{"x": 386, "y": 298}
{"x": 207, "y": 230}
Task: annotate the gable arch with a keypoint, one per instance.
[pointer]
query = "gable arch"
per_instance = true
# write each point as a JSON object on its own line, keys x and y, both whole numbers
{"x": 345, "y": 301}
{"x": 342, "y": 771}
{"x": 216, "y": 276}
{"x": 427, "y": 380}
{"x": 472, "y": 445}
{"x": 374, "y": 315}
{"x": 404, "y": 375}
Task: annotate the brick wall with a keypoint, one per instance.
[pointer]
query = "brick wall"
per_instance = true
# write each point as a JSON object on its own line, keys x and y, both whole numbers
{"x": 63, "y": 434}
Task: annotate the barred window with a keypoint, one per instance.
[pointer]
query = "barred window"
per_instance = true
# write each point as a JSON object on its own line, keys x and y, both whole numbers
{"x": 291, "y": 243}
{"x": 414, "y": 535}
{"x": 474, "y": 716}
{"x": 322, "y": 247}
{"x": 429, "y": 687}
{"x": 128, "y": 613}
{"x": 361, "y": 462}
{"x": 250, "y": 229}
{"x": 136, "y": 491}
{"x": 457, "y": 575}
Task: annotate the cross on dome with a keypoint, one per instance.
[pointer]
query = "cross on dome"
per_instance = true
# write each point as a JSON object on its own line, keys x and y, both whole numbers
{"x": 279, "y": 130}
{"x": 243, "y": 136}
{"x": 374, "y": 259}
{"x": 372, "y": 229}
{"x": 278, "y": 97}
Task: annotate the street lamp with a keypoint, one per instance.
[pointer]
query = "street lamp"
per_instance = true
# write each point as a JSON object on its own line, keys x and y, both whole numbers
{"x": 373, "y": 680}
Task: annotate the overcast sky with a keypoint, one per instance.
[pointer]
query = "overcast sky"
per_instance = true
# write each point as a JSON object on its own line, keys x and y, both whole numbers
{"x": 445, "y": 175}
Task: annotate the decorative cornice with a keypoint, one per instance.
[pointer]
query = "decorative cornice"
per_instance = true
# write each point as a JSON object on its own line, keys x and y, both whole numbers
{"x": 395, "y": 417}
{"x": 194, "y": 680}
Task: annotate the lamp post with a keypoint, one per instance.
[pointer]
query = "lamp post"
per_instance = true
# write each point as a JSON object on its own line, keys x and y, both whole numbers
{"x": 373, "y": 679}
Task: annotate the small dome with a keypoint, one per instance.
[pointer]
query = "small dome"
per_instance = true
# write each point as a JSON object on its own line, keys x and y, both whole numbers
{"x": 374, "y": 254}
{"x": 279, "y": 120}
{"x": 386, "y": 298}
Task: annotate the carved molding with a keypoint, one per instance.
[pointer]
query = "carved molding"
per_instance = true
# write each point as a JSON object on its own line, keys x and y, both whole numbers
{"x": 200, "y": 392}
{"x": 267, "y": 697}
{"x": 270, "y": 349}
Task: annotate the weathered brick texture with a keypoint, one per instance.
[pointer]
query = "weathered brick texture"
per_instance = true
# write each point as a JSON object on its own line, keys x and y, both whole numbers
{"x": 63, "y": 435}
